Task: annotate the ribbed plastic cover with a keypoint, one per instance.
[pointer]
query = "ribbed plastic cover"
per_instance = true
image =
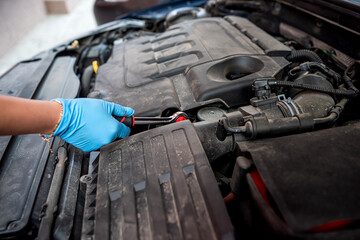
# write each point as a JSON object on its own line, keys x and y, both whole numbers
{"x": 23, "y": 158}
{"x": 189, "y": 65}
{"x": 158, "y": 185}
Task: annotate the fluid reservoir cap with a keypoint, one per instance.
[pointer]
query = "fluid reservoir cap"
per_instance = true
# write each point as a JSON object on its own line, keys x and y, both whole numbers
{"x": 210, "y": 113}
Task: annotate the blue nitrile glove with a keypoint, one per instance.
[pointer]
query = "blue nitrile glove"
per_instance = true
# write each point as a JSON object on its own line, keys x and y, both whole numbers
{"x": 89, "y": 123}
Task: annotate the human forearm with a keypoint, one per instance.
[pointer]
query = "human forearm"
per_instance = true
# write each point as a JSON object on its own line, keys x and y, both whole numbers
{"x": 23, "y": 116}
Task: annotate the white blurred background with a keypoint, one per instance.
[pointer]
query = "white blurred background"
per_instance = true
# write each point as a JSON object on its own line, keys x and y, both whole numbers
{"x": 31, "y": 26}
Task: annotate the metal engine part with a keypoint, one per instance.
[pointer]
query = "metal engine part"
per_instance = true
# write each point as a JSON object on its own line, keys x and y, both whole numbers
{"x": 210, "y": 113}
{"x": 183, "y": 14}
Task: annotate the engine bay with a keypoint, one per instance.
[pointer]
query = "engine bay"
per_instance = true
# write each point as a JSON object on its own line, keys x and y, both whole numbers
{"x": 267, "y": 148}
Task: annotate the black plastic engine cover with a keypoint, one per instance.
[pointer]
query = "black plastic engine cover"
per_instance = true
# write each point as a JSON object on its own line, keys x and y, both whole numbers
{"x": 24, "y": 157}
{"x": 191, "y": 64}
{"x": 155, "y": 185}
{"x": 313, "y": 179}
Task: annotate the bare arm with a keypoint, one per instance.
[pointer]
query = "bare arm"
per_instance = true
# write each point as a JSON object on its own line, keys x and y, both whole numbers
{"x": 23, "y": 116}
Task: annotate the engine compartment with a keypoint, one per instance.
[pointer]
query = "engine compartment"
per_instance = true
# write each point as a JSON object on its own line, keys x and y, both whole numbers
{"x": 268, "y": 150}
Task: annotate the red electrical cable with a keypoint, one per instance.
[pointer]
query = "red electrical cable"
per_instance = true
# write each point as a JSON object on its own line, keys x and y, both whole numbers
{"x": 229, "y": 197}
{"x": 332, "y": 226}
{"x": 260, "y": 185}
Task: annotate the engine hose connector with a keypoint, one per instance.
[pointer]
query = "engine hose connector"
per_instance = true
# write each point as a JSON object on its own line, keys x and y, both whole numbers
{"x": 287, "y": 106}
{"x": 349, "y": 84}
{"x": 315, "y": 66}
{"x": 262, "y": 127}
{"x": 334, "y": 113}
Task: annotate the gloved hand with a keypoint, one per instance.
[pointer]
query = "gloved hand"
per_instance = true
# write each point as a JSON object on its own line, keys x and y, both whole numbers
{"x": 89, "y": 123}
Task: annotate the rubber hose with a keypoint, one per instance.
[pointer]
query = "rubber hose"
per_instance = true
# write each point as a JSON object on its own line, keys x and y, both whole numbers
{"x": 347, "y": 93}
{"x": 334, "y": 114}
{"x": 86, "y": 80}
{"x": 303, "y": 55}
{"x": 230, "y": 129}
